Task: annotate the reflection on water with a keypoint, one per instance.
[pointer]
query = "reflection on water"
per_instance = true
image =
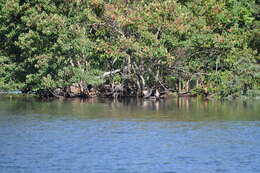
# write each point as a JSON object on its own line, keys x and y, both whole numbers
{"x": 129, "y": 136}
{"x": 183, "y": 109}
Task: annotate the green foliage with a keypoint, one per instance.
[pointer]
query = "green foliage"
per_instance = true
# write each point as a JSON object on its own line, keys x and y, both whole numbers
{"x": 47, "y": 44}
{"x": 92, "y": 77}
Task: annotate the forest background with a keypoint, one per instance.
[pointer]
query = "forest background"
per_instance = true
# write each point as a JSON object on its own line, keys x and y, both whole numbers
{"x": 187, "y": 46}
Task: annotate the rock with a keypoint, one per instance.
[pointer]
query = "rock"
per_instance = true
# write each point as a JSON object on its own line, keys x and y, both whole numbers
{"x": 93, "y": 93}
{"x": 58, "y": 92}
{"x": 73, "y": 91}
{"x": 146, "y": 93}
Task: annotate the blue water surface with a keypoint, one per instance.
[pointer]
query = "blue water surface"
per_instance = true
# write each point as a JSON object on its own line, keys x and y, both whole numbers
{"x": 52, "y": 137}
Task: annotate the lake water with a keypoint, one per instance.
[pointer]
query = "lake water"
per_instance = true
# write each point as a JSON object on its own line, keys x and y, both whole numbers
{"x": 129, "y": 136}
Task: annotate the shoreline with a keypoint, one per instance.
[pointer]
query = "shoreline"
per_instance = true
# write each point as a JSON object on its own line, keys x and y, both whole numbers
{"x": 170, "y": 96}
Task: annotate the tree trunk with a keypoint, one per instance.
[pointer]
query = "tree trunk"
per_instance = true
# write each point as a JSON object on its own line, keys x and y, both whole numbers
{"x": 129, "y": 64}
{"x": 180, "y": 86}
{"x": 187, "y": 86}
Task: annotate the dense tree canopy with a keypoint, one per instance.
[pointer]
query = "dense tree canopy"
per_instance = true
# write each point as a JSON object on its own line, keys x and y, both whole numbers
{"x": 183, "y": 45}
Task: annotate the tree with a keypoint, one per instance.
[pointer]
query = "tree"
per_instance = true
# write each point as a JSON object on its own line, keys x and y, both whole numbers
{"x": 168, "y": 44}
